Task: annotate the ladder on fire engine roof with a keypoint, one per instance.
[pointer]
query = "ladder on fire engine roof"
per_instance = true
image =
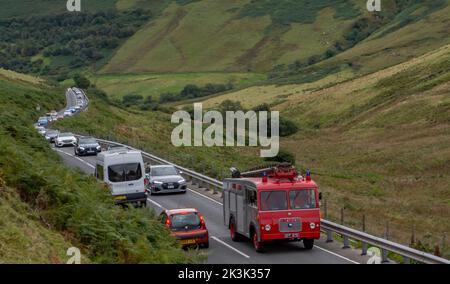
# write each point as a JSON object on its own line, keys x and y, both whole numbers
{"x": 275, "y": 170}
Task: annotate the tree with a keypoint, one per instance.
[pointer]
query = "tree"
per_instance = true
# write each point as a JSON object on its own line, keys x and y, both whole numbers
{"x": 81, "y": 81}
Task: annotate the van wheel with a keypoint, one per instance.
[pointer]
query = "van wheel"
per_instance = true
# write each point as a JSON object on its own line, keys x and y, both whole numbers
{"x": 308, "y": 243}
{"x": 233, "y": 234}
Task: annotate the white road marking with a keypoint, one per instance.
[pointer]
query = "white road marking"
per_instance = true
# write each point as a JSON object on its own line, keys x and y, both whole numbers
{"x": 156, "y": 203}
{"x": 335, "y": 254}
{"x": 230, "y": 247}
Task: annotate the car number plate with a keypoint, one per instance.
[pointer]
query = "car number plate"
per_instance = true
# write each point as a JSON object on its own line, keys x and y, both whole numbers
{"x": 170, "y": 187}
{"x": 187, "y": 242}
{"x": 291, "y": 235}
{"x": 120, "y": 197}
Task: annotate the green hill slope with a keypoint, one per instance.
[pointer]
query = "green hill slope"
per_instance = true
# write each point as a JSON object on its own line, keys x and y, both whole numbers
{"x": 249, "y": 35}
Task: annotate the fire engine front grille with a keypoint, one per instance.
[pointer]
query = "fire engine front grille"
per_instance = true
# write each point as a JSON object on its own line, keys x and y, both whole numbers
{"x": 290, "y": 225}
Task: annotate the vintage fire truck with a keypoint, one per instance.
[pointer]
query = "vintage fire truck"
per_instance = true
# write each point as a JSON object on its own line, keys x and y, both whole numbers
{"x": 272, "y": 204}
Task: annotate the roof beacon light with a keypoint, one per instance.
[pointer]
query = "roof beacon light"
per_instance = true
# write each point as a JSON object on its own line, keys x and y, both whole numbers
{"x": 308, "y": 175}
{"x": 264, "y": 177}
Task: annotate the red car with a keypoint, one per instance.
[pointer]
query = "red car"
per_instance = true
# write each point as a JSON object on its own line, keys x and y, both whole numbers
{"x": 188, "y": 226}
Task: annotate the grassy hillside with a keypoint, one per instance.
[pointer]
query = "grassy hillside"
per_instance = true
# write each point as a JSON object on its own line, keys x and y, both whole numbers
{"x": 47, "y": 208}
{"x": 258, "y": 35}
{"x": 232, "y": 35}
{"x": 150, "y": 84}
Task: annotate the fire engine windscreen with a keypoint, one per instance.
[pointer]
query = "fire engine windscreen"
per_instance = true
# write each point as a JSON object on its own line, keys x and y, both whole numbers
{"x": 273, "y": 200}
{"x": 302, "y": 199}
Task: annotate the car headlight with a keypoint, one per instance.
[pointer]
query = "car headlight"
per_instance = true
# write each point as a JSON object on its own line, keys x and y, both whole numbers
{"x": 82, "y": 148}
{"x": 99, "y": 148}
{"x": 157, "y": 182}
{"x": 267, "y": 227}
{"x": 312, "y": 226}
{"x": 182, "y": 180}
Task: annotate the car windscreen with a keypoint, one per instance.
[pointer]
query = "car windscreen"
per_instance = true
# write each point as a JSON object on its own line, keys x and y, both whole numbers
{"x": 186, "y": 221}
{"x": 65, "y": 134}
{"x": 302, "y": 199}
{"x": 125, "y": 172}
{"x": 52, "y": 132}
{"x": 273, "y": 200}
{"x": 87, "y": 141}
{"x": 163, "y": 171}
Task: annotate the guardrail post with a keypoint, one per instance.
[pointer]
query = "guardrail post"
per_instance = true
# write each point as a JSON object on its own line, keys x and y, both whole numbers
{"x": 329, "y": 236}
{"x": 346, "y": 243}
{"x": 363, "y": 244}
{"x": 384, "y": 253}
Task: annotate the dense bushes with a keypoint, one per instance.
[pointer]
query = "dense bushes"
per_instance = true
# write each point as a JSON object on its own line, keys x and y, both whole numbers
{"x": 193, "y": 91}
{"x": 68, "y": 40}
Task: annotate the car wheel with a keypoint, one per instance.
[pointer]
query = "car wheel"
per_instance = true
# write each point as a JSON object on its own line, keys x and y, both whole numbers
{"x": 308, "y": 243}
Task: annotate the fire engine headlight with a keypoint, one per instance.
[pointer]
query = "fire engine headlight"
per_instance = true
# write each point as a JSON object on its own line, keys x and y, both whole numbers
{"x": 312, "y": 226}
{"x": 267, "y": 227}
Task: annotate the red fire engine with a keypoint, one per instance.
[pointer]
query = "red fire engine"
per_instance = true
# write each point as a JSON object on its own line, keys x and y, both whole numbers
{"x": 277, "y": 205}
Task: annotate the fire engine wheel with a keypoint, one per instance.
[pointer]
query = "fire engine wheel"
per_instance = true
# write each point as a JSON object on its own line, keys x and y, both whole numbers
{"x": 257, "y": 244}
{"x": 233, "y": 234}
{"x": 308, "y": 243}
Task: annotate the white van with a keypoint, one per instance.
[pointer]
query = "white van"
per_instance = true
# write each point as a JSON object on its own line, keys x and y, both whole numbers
{"x": 123, "y": 171}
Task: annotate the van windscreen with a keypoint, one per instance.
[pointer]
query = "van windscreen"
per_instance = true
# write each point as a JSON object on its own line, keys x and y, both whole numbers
{"x": 125, "y": 172}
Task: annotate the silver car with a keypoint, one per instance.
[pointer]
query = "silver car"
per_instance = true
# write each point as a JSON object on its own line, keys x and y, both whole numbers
{"x": 165, "y": 179}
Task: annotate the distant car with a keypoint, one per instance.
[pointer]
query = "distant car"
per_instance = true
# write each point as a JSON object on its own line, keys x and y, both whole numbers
{"x": 60, "y": 116}
{"x": 65, "y": 139}
{"x": 51, "y": 135}
{"x": 72, "y": 110}
{"x": 87, "y": 146}
{"x": 41, "y": 130}
{"x": 43, "y": 121}
{"x": 165, "y": 179}
{"x": 68, "y": 113}
{"x": 186, "y": 225}
{"x": 77, "y": 108}
{"x": 54, "y": 113}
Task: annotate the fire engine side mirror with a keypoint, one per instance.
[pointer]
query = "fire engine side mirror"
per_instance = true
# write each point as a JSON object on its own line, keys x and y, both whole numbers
{"x": 320, "y": 195}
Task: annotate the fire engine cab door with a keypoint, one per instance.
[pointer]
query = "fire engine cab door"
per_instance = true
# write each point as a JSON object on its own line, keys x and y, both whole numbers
{"x": 241, "y": 212}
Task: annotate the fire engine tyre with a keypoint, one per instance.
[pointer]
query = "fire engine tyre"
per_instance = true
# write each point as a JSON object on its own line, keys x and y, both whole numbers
{"x": 308, "y": 243}
{"x": 257, "y": 244}
{"x": 235, "y": 237}
{"x": 204, "y": 245}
